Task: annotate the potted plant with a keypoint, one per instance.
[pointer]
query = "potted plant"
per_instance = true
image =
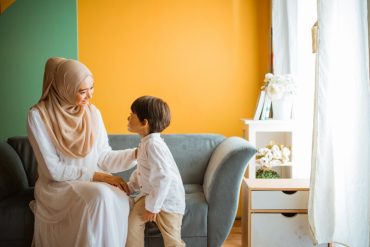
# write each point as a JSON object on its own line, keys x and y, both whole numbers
{"x": 280, "y": 89}
{"x": 266, "y": 173}
{"x": 271, "y": 156}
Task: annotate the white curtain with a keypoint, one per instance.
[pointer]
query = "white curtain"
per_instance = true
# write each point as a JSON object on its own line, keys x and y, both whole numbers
{"x": 339, "y": 194}
{"x": 284, "y": 33}
{"x": 292, "y": 54}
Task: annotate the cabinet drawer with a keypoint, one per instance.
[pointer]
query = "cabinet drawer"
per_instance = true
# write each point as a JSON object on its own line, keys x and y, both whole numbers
{"x": 277, "y": 230}
{"x": 279, "y": 199}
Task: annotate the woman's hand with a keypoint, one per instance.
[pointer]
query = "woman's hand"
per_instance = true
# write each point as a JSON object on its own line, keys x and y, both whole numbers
{"x": 149, "y": 216}
{"x": 112, "y": 180}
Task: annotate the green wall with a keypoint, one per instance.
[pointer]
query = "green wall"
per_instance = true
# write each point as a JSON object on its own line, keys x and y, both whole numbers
{"x": 30, "y": 32}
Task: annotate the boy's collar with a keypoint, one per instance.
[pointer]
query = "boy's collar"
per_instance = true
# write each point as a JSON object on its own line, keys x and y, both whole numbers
{"x": 151, "y": 135}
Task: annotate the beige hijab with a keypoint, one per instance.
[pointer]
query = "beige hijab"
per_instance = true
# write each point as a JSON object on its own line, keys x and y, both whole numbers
{"x": 72, "y": 128}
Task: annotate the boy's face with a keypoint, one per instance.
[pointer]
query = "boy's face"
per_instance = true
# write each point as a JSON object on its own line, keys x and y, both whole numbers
{"x": 136, "y": 126}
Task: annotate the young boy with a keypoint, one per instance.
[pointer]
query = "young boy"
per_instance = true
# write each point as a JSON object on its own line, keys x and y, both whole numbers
{"x": 161, "y": 195}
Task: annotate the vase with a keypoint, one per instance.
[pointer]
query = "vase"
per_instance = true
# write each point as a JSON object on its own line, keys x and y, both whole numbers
{"x": 282, "y": 108}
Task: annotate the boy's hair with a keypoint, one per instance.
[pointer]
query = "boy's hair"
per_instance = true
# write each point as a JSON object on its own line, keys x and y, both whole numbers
{"x": 153, "y": 109}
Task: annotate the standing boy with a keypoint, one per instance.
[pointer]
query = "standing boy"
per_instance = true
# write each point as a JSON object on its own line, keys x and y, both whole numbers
{"x": 161, "y": 195}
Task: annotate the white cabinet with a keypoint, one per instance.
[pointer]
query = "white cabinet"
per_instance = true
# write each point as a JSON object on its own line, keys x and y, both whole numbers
{"x": 279, "y": 199}
{"x": 279, "y": 229}
{"x": 261, "y": 132}
{"x": 275, "y": 213}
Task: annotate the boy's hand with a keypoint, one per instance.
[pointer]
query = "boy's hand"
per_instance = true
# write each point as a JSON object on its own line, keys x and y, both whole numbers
{"x": 149, "y": 216}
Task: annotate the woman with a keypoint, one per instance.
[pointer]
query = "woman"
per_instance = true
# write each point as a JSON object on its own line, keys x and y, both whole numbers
{"x": 72, "y": 206}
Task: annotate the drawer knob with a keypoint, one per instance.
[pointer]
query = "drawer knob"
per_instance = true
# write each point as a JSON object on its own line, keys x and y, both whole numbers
{"x": 289, "y": 192}
{"x": 289, "y": 215}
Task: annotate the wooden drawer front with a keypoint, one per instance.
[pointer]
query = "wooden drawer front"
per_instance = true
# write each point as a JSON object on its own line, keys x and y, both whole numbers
{"x": 279, "y": 200}
{"x": 277, "y": 230}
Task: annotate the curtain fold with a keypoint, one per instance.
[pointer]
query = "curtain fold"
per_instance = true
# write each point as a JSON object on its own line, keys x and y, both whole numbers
{"x": 292, "y": 21}
{"x": 339, "y": 193}
{"x": 284, "y": 33}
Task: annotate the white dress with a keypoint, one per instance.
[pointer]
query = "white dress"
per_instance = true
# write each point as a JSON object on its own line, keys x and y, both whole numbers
{"x": 69, "y": 209}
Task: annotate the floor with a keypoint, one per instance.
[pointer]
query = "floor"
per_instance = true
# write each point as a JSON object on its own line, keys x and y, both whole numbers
{"x": 235, "y": 237}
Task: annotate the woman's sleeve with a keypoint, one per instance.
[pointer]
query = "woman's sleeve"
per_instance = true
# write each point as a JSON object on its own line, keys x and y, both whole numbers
{"x": 113, "y": 160}
{"x": 46, "y": 151}
{"x": 133, "y": 183}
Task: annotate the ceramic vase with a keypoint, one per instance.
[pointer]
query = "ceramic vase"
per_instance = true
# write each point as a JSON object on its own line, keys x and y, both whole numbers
{"x": 282, "y": 108}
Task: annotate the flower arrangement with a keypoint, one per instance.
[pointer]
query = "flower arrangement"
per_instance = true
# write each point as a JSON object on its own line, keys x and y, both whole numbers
{"x": 270, "y": 156}
{"x": 279, "y": 86}
{"x": 273, "y": 155}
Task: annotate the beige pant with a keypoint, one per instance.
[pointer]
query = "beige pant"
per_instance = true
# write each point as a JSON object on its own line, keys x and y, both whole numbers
{"x": 168, "y": 223}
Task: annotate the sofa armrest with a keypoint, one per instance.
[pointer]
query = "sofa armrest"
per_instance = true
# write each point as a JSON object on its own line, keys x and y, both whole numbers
{"x": 221, "y": 186}
{"x": 13, "y": 178}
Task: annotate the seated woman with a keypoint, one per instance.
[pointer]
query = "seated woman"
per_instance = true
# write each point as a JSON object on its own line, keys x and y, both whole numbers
{"x": 77, "y": 201}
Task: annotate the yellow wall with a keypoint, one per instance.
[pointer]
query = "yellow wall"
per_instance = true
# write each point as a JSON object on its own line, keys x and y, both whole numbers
{"x": 206, "y": 58}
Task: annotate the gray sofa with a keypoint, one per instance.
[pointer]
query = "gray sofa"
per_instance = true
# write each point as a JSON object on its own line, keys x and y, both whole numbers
{"x": 211, "y": 167}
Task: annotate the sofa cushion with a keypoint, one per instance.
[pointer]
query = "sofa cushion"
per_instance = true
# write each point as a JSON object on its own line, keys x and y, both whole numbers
{"x": 12, "y": 176}
{"x": 195, "y": 219}
{"x": 190, "y": 151}
{"x": 23, "y": 147}
{"x": 17, "y": 218}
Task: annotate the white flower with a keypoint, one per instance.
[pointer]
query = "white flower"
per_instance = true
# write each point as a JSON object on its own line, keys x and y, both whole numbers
{"x": 286, "y": 152}
{"x": 275, "y": 148}
{"x": 268, "y": 77}
{"x": 285, "y": 160}
{"x": 276, "y": 163}
{"x": 279, "y": 86}
{"x": 273, "y": 155}
{"x": 263, "y": 151}
{"x": 277, "y": 155}
{"x": 263, "y": 162}
{"x": 268, "y": 156}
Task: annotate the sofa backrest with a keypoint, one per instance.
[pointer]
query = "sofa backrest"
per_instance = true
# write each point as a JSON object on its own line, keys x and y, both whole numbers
{"x": 190, "y": 151}
{"x": 23, "y": 148}
{"x": 12, "y": 175}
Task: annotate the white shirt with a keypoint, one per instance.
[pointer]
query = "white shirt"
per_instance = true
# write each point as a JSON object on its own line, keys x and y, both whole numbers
{"x": 157, "y": 177}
